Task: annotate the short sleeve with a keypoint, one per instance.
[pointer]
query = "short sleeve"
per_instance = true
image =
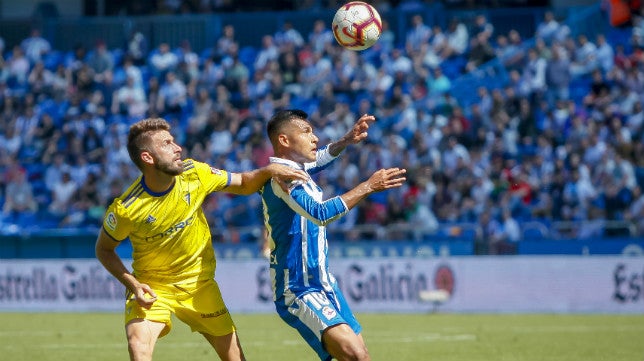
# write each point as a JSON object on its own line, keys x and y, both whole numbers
{"x": 211, "y": 178}
{"x": 116, "y": 222}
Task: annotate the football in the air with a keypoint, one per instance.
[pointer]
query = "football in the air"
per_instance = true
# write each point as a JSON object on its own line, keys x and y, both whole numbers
{"x": 356, "y": 25}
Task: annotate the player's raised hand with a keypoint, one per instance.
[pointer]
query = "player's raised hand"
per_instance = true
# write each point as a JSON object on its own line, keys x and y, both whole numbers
{"x": 386, "y": 179}
{"x": 359, "y": 131}
{"x": 355, "y": 135}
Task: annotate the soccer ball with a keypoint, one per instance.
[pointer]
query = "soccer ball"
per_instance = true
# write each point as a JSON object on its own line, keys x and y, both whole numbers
{"x": 356, "y": 25}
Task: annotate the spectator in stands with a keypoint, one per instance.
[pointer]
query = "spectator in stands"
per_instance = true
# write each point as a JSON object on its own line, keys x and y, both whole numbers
{"x": 288, "y": 36}
{"x": 268, "y": 53}
{"x": 226, "y": 44}
{"x": 173, "y": 95}
{"x": 321, "y": 36}
{"x": 100, "y": 60}
{"x": 61, "y": 195}
{"x": 480, "y": 52}
{"x": 548, "y": 27}
{"x": 40, "y": 81}
{"x": 457, "y": 40}
{"x": 35, "y": 46}
{"x": 129, "y": 100}
{"x": 557, "y": 76}
{"x": 605, "y": 54}
{"x": 10, "y": 142}
{"x": 481, "y": 25}
{"x": 61, "y": 83}
{"x": 418, "y": 34}
{"x": 534, "y": 75}
{"x": 189, "y": 58}
{"x": 163, "y": 61}
{"x": 137, "y": 48}
{"x": 17, "y": 69}
{"x": 505, "y": 234}
{"x": 19, "y": 196}
{"x": 585, "y": 57}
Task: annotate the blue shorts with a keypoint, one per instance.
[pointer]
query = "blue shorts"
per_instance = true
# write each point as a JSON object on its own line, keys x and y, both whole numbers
{"x": 312, "y": 312}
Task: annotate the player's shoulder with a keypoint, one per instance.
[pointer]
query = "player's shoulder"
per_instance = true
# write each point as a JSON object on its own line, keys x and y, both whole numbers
{"x": 193, "y": 166}
{"x": 131, "y": 194}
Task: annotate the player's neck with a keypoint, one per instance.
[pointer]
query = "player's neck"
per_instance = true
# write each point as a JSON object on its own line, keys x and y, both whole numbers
{"x": 158, "y": 182}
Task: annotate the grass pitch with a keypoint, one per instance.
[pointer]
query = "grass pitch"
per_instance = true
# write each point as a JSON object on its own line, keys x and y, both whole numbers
{"x": 400, "y": 337}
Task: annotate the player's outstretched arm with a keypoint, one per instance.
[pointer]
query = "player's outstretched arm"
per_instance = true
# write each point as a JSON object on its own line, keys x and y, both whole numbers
{"x": 355, "y": 135}
{"x": 106, "y": 254}
{"x": 379, "y": 181}
{"x": 252, "y": 181}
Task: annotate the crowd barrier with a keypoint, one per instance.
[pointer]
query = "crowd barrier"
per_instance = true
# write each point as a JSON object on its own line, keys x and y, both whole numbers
{"x": 521, "y": 284}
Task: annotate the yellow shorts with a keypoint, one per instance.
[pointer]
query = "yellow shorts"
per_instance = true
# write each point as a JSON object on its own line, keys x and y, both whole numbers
{"x": 199, "y": 305}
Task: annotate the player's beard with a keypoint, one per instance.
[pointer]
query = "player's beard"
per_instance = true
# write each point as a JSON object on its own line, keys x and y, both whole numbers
{"x": 169, "y": 168}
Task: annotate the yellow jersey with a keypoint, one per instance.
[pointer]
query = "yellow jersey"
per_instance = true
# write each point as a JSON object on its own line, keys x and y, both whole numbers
{"x": 170, "y": 237}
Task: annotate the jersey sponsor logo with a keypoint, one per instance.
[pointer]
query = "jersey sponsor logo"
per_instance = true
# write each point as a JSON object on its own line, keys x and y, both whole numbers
{"x": 328, "y": 312}
{"x": 177, "y": 227}
{"x": 150, "y": 219}
{"x": 214, "y": 170}
{"x": 186, "y": 198}
{"x": 110, "y": 221}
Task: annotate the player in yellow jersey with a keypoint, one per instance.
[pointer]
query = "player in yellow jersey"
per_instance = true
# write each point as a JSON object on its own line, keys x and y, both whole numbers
{"x": 173, "y": 258}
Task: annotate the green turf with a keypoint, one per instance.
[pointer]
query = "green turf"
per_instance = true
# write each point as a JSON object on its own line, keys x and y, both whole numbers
{"x": 418, "y": 337}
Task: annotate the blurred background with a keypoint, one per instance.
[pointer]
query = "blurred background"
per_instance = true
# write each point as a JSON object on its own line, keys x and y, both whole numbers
{"x": 520, "y": 122}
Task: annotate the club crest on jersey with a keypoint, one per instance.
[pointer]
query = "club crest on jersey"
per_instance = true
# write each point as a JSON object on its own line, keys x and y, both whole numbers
{"x": 215, "y": 171}
{"x": 186, "y": 198}
{"x": 328, "y": 312}
{"x": 150, "y": 219}
{"x": 110, "y": 221}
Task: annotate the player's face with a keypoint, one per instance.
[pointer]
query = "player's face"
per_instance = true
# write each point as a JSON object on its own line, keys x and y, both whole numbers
{"x": 166, "y": 153}
{"x": 303, "y": 143}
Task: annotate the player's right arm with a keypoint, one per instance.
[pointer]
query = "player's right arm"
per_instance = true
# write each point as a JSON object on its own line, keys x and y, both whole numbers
{"x": 106, "y": 253}
{"x": 117, "y": 227}
{"x": 381, "y": 180}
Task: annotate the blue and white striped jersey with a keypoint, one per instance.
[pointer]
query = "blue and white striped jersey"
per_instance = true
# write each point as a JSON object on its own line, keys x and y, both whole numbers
{"x": 296, "y": 229}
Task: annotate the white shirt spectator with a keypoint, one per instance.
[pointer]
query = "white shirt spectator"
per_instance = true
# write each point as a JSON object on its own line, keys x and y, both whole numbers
{"x": 458, "y": 38}
{"x": 268, "y": 53}
{"x": 173, "y": 93}
{"x": 164, "y": 60}
{"x": 289, "y": 36}
{"x": 62, "y": 193}
{"x": 320, "y": 37}
{"x": 418, "y": 34}
{"x": 547, "y": 29}
{"x": 130, "y": 99}
{"x": 35, "y": 46}
{"x": 453, "y": 152}
{"x": 605, "y": 54}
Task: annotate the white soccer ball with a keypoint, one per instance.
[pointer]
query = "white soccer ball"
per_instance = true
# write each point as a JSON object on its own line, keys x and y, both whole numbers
{"x": 356, "y": 25}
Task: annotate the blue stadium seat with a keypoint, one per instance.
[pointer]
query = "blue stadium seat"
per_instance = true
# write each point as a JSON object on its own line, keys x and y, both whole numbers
{"x": 52, "y": 59}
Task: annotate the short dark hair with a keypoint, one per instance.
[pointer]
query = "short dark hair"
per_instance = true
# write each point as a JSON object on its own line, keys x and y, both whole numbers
{"x": 137, "y": 139}
{"x": 280, "y": 118}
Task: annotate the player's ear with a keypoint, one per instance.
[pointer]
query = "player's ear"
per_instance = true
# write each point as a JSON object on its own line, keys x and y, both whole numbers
{"x": 283, "y": 140}
{"x": 147, "y": 158}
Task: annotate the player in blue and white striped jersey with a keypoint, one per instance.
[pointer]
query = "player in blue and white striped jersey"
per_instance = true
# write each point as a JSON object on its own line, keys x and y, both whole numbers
{"x": 306, "y": 294}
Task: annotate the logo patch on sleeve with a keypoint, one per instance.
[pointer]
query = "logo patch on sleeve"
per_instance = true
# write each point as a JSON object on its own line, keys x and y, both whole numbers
{"x": 328, "y": 312}
{"x": 110, "y": 221}
{"x": 215, "y": 171}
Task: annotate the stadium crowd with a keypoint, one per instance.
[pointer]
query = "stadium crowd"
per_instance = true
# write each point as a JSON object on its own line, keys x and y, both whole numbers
{"x": 557, "y": 143}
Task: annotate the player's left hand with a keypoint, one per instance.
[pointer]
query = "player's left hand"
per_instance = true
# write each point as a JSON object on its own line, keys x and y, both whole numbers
{"x": 285, "y": 174}
{"x": 359, "y": 131}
